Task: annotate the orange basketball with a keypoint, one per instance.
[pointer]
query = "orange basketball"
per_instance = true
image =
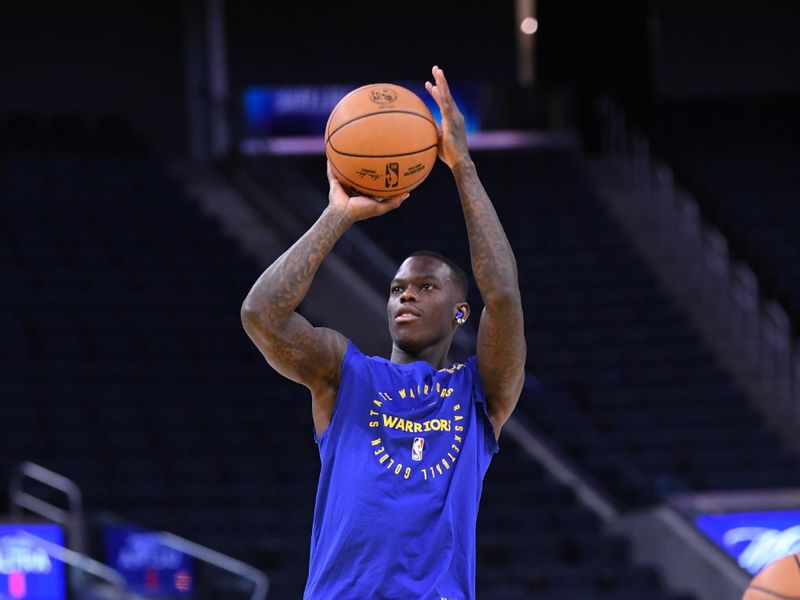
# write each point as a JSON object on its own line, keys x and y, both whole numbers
{"x": 780, "y": 579}
{"x": 381, "y": 140}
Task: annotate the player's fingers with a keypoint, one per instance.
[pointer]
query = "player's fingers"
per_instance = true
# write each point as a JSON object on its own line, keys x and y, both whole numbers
{"x": 435, "y": 93}
{"x": 441, "y": 81}
{"x": 399, "y": 199}
{"x": 335, "y": 187}
{"x": 333, "y": 181}
{"x": 444, "y": 99}
{"x": 440, "y": 151}
{"x": 395, "y": 201}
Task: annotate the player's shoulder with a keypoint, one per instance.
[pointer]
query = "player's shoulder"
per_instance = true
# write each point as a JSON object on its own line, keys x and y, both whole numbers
{"x": 354, "y": 354}
{"x": 355, "y": 360}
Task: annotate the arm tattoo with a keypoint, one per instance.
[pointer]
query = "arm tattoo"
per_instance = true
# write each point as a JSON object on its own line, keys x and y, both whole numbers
{"x": 293, "y": 347}
{"x": 493, "y": 264}
{"x": 281, "y": 288}
{"x": 501, "y": 338}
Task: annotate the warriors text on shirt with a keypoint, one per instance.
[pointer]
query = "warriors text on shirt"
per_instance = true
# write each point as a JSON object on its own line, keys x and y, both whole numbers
{"x": 381, "y": 418}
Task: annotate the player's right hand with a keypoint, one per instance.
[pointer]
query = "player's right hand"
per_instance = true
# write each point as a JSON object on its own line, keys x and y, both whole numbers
{"x": 359, "y": 208}
{"x": 453, "y": 135}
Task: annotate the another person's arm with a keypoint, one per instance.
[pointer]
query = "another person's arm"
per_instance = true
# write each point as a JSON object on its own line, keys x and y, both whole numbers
{"x": 501, "y": 340}
{"x": 301, "y": 352}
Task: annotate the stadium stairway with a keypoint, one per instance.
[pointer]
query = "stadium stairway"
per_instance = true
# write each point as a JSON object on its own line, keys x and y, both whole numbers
{"x": 740, "y": 159}
{"x": 723, "y": 247}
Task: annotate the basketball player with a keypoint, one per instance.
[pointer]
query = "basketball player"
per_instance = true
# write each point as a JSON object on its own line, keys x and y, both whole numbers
{"x": 404, "y": 442}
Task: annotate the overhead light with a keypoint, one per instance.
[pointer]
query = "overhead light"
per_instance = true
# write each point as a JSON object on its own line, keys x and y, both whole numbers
{"x": 529, "y": 25}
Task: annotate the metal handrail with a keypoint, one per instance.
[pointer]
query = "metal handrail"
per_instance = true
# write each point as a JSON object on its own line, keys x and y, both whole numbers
{"x": 84, "y": 563}
{"x": 72, "y": 518}
{"x": 223, "y": 561}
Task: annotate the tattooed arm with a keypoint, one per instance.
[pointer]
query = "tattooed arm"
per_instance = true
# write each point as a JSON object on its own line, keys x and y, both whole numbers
{"x": 501, "y": 339}
{"x": 301, "y": 352}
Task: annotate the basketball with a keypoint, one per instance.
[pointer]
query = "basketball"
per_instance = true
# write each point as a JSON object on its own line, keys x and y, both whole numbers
{"x": 381, "y": 140}
{"x": 780, "y": 579}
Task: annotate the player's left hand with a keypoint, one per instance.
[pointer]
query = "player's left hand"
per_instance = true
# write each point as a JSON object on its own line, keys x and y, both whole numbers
{"x": 453, "y": 135}
{"x": 359, "y": 208}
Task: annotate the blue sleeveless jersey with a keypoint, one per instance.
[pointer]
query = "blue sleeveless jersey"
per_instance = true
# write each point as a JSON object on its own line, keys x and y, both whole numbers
{"x": 403, "y": 462}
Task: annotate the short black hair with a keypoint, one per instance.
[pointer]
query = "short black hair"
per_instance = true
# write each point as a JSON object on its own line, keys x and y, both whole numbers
{"x": 457, "y": 274}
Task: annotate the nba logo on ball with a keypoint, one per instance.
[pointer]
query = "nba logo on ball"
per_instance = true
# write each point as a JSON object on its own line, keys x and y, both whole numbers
{"x": 392, "y": 174}
{"x": 416, "y": 448}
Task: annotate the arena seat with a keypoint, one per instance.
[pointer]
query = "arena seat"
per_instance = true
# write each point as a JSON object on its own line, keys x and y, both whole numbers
{"x": 739, "y": 158}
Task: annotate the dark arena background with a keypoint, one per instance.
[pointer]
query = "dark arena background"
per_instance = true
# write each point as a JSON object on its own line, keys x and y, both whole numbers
{"x": 156, "y": 157}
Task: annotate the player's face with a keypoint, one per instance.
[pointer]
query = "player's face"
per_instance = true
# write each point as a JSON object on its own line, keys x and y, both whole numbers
{"x": 422, "y": 304}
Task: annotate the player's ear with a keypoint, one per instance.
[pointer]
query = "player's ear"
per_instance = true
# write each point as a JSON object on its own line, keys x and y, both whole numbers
{"x": 462, "y": 313}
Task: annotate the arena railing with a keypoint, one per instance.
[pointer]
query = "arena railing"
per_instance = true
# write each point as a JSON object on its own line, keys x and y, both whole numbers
{"x": 87, "y": 565}
{"x": 227, "y": 563}
{"x": 72, "y": 518}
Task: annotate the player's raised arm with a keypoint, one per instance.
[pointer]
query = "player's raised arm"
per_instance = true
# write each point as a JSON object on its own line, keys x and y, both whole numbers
{"x": 308, "y": 355}
{"x": 501, "y": 341}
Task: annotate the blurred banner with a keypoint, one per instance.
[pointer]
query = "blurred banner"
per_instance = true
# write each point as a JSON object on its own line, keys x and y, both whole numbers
{"x": 752, "y": 527}
{"x": 27, "y": 572}
{"x": 302, "y": 110}
{"x": 152, "y": 569}
{"x": 754, "y": 539}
